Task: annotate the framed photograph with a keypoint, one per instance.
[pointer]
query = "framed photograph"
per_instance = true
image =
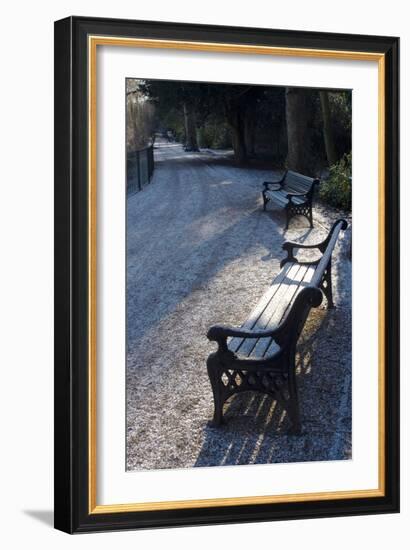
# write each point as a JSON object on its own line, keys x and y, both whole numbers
{"x": 226, "y": 274}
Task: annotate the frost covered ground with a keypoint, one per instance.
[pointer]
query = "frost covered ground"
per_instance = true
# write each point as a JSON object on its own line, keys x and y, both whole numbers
{"x": 201, "y": 251}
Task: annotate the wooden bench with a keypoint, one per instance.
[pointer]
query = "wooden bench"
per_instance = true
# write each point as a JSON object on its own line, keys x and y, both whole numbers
{"x": 260, "y": 355}
{"x": 294, "y": 192}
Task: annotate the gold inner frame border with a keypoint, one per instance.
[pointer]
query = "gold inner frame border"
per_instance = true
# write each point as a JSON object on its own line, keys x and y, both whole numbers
{"x": 93, "y": 42}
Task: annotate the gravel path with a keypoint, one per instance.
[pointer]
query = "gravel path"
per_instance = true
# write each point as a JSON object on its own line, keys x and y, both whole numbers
{"x": 201, "y": 251}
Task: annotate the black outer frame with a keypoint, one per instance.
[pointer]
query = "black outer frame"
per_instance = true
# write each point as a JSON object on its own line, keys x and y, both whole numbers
{"x": 71, "y": 275}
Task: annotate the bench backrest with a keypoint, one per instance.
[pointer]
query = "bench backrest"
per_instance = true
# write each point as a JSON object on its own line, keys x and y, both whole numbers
{"x": 298, "y": 183}
{"x": 327, "y": 252}
{"x": 311, "y": 295}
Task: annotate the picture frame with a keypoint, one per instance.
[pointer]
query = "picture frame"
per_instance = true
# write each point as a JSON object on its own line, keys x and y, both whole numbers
{"x": 77, "y": 40}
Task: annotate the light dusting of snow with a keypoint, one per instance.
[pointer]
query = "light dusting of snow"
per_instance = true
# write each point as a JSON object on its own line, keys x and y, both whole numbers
{"x": 201, "y": 251}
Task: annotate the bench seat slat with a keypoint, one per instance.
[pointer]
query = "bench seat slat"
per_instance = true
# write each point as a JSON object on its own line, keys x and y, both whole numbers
{"x": 280, "y": 197}
{"x": 267, "y": 346}
{"x": 298, "y": 200}
{"x": 277, "y": 311}
{"x": 273, "y": 312}
{"x": 276, "y": 305}
{"x": 250, "y": 322}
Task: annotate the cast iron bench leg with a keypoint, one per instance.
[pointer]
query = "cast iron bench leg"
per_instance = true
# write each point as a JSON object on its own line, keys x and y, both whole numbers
{"x": 327, "y": 286}
{"x": 213, "y": 365}
{"x": 288, "y": 217}
{"x": 265, "y": 200}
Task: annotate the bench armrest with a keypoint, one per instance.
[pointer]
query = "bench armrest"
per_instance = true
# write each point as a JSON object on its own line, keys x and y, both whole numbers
{"x": 290, "y": 246}
{"x": 278, "y": 184}
{"x": 217, "y": 332}
{"x": 220, "y": 333}
{"x": 289, "y": 196}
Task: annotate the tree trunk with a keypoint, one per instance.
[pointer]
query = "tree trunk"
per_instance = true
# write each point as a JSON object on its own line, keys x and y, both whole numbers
{"x": 191, "y": 142}
{"x": 327, "y": 129}
{"x": 249, "y": 134}
{"x": 132, "y": 126}
{"x": 234, "y": 117}
{"x": 235, "y": 121}
{"x": 238, "y": 142}
{"x": 297, "y": 131}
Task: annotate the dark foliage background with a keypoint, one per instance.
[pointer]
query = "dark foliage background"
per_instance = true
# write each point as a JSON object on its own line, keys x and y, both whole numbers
{"x": 306, "y": 130}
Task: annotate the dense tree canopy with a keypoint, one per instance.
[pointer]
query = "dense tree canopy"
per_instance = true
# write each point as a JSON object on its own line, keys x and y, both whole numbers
{"x": 299, "y": 128}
